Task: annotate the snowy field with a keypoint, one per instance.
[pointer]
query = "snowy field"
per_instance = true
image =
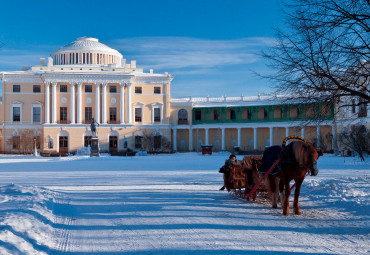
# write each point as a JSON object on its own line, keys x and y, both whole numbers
{"x": 170, "y": 204}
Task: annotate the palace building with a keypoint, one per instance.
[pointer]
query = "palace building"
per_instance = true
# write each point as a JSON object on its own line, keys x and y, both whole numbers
{"x": 52, "y": 105}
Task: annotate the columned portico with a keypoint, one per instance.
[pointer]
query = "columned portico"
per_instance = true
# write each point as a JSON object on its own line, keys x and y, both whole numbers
{"x": 174, "y": 139}
{"x": 104, "y": 103}
{"x": 190, "y": 139}
{"x": 255, "y": 138}
{"x": 303, "y": 132}
{"x": 54, "y": 102}
{"x": 122, "y": 104}
{"x": 97, "y": 102}
{"x": 206, "y": 135}
{"x": 47, "y": 103}
{"x": 223, "y": 139}
{"x": 73, "y": 118}
{"x": 79, "y": 102}
{"x": 271, "y": 136}
{"x": 318, "y": 136}
{"x": 129, "y": 120}
{"x": 239, "y": 137}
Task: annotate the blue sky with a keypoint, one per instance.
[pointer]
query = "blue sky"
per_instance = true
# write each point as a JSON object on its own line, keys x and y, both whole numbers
{"x": 211, "y": 47}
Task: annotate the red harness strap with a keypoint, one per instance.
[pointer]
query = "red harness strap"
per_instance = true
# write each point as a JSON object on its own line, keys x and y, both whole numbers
{"x": 261, "y": 179}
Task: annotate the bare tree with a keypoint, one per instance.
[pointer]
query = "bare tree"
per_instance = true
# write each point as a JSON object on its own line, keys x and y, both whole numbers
{"x": 357, "y": 138}
{"x": 155, "y": 144}
{"x": 24, "y": 141}
{"x": 325, "y": 55}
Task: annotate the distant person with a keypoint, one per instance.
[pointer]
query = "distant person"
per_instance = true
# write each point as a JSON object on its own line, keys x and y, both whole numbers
{"x": 225, "y": 169}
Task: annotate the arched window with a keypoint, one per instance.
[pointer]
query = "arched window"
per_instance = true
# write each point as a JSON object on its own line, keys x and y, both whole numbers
{"x": 183, "y": 116}
{"x": 216, "y": 115}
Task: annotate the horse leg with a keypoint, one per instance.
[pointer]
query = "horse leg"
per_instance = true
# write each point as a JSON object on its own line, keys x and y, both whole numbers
{"x": 286, "y": 198}
{"x": 296, "y": 196}
{"x": 272, "y": 184}
{"x": 281, "y": 191}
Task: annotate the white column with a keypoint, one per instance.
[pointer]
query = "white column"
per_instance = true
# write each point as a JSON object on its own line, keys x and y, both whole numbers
{"x": 255, "y": 138}
{"x": 239, "y": 137}
{"x": 122, "y": 110}
{"x": 129, "y": 120}
{"x": 318, "y": 136}
{"x": 47, "y": 103}
{"x": 79, "y": 103}
{"x": 104, "y": 104}
{"x": 222, "y": 139}
{"x": 73, "y": 104}
{"x": 54, "y": 102}
{"x": 190, "y": 139}
{"x": 97, "y": 102}
{"x": 206, "y": 130}
{"x": 271, "y": 136}
{"x": 286, "y": 131}
{"x": 174, "y": 139}
{"x": 303, "y": 132}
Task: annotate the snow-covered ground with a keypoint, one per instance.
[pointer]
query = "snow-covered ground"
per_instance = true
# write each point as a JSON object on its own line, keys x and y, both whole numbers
{"x": 170, "y": 204}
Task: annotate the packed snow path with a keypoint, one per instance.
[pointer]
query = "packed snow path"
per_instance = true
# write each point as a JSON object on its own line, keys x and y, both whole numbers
{"x": 171, "y": 205}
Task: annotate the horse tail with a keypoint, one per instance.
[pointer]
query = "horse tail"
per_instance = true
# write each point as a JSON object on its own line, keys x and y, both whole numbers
{"x": 292, "y": 137}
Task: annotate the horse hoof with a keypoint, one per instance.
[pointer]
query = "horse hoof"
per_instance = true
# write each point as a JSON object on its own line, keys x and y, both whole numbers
{"x": 285, "y": 213}
{"x": 274, "y": 206}
{"x": 298, "y": 212}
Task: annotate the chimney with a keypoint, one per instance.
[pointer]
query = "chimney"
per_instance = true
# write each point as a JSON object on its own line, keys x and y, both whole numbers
{"x": 42, "y": 61}
{"x": 133, "y": 63}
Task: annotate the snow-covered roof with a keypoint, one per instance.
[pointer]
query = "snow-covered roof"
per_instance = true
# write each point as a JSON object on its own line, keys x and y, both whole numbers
{"x": 84, "y": 44}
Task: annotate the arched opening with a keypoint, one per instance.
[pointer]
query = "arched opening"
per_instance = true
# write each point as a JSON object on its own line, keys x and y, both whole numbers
{"x": 278, "y": 113}
{"x": 231, "y": 114}
{"x": 247, "y": 114}
{"x": 215, "y": 115}
{"x": 87, "y": 138}
{"x": 139, "y": 139}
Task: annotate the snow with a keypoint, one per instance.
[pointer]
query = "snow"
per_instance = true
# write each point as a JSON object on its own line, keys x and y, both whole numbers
{"x": 170, "y": 204}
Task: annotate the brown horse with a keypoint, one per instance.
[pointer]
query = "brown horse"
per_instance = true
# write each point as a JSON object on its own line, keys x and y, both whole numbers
{"x": 297, "y": 159}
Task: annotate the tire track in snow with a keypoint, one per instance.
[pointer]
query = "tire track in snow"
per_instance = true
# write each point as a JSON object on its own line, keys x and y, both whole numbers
{"x": 63, "y": 235}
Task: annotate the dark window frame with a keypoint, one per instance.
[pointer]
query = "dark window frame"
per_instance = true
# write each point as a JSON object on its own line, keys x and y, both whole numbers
{"x": 138, "y": 114}
{"x": 63, "y": 88}
{"x": 112, "y": 114}
{"x": 36, "y": 89}
{"x": 198, "y": 115}
{"x": 16, "y": 115}
{"x": 112, "y": 89}
{"x": 138, "y": 90}
{"x": 16, "y": 88}
{"x": 88, "y": 114}
{"x": 63, "y": 110}
{"x": 157, "y": 114}
{"x": 157, "y": 90}
{"x": 88, "y": 89}
{"x": 33, "y": 114}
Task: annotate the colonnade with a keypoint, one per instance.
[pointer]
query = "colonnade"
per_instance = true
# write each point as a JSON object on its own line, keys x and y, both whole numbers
{"x": 239, "y": 140}
{"x": 100, "y": 105}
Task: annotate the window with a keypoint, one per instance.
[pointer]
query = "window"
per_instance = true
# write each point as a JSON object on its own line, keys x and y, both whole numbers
{"x": 183, "y": 114}
{"x": 87, "y": 141}
{"x": 16, "y": 114}
{"x": 216, "y": 115}
{"x": 88, "y": 88}
{"x": 36, "y": 114}
{"x": 63, "y": 88}
{"x": 113, "y": 89}
{"x": 138, "y": 142}
{"x": 88, "y": 114}
{"x": 138, "y": 114}
{"x": 232, "y": 115}
{"x": 36, "y": 88}
{"x": 157, "y": 90}
{"x": 265, "y": 113}
{"x": 157, "y": 142}
{"x": 157, "y": 114}
{"x": 138, "y": 90}
{"x": 63, "y": 114}
{"x": 16, "y": 88}
{"x": 16, "y": 142}
{"x": 63, "y": 142}
{"x": 112, "y": 114}
{"x": 198, "y": 115}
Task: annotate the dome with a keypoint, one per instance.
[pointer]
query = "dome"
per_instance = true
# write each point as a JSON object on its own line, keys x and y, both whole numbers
{"x": 86, "y": 51}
